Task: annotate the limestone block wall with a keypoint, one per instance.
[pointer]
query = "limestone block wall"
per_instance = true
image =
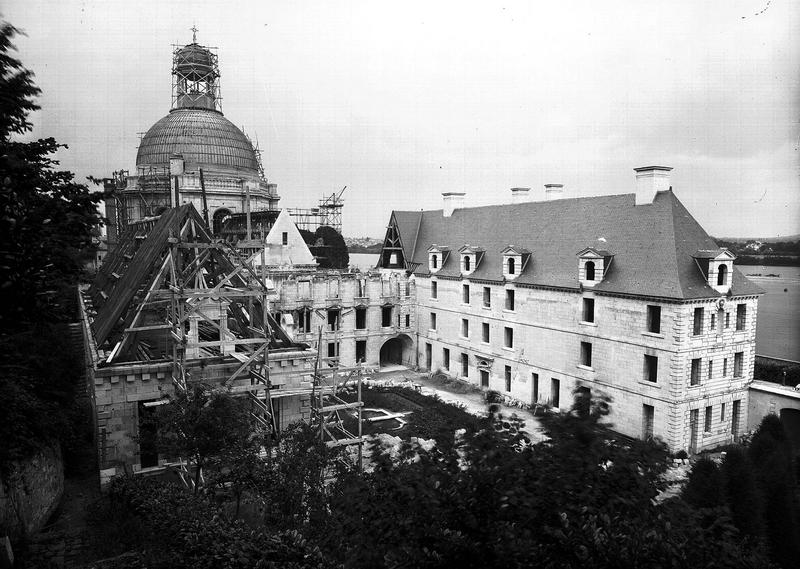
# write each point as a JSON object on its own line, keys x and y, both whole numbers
{"x": 320, "y": 292}
{"x": 118, "y": 390}
{"x": 549, "y": 328}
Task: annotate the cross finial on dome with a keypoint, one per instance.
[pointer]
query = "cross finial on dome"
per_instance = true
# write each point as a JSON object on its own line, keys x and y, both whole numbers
{"x": 194, "y": 33}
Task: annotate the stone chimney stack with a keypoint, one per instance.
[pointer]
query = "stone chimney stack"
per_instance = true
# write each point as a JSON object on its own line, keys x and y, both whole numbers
{"x": 649, "y": 181}
{"x": 452, "y": 202}
{"x": 520, "y": 195}
{"x": 553, "y": 191}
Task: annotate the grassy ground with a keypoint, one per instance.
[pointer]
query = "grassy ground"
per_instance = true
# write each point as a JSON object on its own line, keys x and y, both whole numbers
{"x": 428, "y": 417}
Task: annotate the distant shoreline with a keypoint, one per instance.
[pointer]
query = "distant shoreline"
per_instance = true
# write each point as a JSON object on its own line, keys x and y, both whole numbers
{"x": 768, "y": 261}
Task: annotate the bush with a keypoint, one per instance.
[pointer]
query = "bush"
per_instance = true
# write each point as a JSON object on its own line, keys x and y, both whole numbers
{"x": 188, "y": 530}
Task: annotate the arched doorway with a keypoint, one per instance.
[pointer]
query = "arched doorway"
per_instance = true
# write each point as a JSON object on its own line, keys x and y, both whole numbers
{"x": 396, "y": 351}
{"x": 791, "y": 422}
{"x": 220, "y": 216}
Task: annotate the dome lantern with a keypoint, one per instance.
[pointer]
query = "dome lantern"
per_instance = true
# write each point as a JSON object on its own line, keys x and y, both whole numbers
{"x": 195, "y": 74}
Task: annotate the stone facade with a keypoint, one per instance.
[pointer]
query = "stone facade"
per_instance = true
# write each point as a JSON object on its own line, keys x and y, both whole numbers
{"x": 351, "y": 309}
{"x": 549, "y": 342}
{"x": 119, "y": 389}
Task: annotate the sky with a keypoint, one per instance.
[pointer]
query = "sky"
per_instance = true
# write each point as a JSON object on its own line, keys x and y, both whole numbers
{"x": 401, "y": 101}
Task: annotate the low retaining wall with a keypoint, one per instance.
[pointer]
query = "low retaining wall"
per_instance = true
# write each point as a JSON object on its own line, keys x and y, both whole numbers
{"x": 30, "y": 492}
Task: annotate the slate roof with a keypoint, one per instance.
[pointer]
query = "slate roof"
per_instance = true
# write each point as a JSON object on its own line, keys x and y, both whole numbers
{"x": 653, "y": 245}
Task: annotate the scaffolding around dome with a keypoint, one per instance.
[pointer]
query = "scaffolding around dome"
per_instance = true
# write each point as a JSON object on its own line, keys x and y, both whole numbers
{"x": 195, "y": 78}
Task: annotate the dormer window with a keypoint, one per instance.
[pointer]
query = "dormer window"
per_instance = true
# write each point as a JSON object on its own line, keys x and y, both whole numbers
{"x": 717, "y": 268}
{"x": 515, "y": 260}
{"x": 589, "y": 268}
{"x": 593, "y": 266}
{"x": 437, "y": 256}
{"x": 471, "y": 257}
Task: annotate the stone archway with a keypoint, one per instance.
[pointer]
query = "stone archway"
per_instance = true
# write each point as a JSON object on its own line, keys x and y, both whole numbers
{"x": 397, "y": 351}
{"x": 219, "y": 218}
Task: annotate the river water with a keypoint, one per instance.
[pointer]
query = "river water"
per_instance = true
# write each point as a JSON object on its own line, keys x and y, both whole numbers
{"x": 778, "y": 333}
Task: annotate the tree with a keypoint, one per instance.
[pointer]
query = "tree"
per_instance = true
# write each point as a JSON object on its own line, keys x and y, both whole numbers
{"x": 770, "y": 452}
{"x": 46, "y": 219}
{"x": 210, "y": 427}
{"x": 742, "y": 493}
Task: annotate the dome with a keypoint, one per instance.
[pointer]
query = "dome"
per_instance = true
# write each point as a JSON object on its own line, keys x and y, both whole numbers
{"x": 194, "y": 62}
{"x": 203, "y": 137}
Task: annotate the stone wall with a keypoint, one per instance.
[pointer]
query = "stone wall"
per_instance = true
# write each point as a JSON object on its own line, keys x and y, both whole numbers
{"x": 548, "y": 328}
{"x": 30, "y": 493}
{"x": 320, "y": 292}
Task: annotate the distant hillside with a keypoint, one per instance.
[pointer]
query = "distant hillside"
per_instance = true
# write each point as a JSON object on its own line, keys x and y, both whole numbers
{"x": 363, "y": 244}
{"x": 782, "y": 238}
{"x": 771, "y": 251}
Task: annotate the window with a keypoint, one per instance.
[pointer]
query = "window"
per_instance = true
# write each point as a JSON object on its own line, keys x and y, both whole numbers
{"x": 333, "y": 349}
{"x": 465, "y": 294}
{"x": 361, "y": 318}
{"x": 434, "y": 289}
{"x": 727, "y": 320}
{"x": 707, "y": 422}
{"x": 333, "y": 319}
{"x": 508, "y": 337}
{"x": 304, "y": 320}
{"x": 428, "y": 356}
{"x": 446, "y": 359}
{"x": 725, "y": 367}
{"x": 434, "y": 261}
{"x": 555, "y": 392}
{"x": 361, "y": 351}
{"x": 738, "y": 358}
{"x": 713, "y": 324}
{"x": 722, "y": 275}
{"x": 285, "y": 238}
{"x": 465, "y": 328}
{"x": 588, "y": 310}
{"x": 484, "y": 378}
{"x": 509, "y": 299}
{"x": 586, "y": 354}
{"x": 535, "y": 379}
{"x": 433, "y": 321}
{"x": 736, "y": 412}
{"x": 487, "y": 297}
{"x": 408, "y": 320}
{"x": 508, "y": 378}
{"x": 386, "y": 316}
{"x": 654, "y": 319}
{"x": 710, "y": 369}
{"x": 464, "y": 365}
{"x": 651, "y": 369}
{"x": 589, "y": 270}
{"x": 467, "y": 264}
{"x": 485, "y": 332}
{"x": 511, "y": 267}
{"x": 741, "y": 314}
{"x": 698, "y": 322}
{"x": 722, "y": 413}
{"x": 648, "y": 416}
{"x": 695, "y": 377}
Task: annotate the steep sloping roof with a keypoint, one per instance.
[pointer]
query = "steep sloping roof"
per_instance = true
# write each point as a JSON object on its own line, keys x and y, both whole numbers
{"x": 652, "y": 244}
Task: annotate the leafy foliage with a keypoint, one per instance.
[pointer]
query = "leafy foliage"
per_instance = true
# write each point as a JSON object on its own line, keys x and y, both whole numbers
{"x": 211, "y": 428}
{"x": 328, "y": 246}
{"x": 187, "y": 530}
{"x": 46, "y": 219}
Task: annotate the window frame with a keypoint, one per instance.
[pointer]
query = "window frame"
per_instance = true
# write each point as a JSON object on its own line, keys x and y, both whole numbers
{"x": 586, "y": 354}
{"x": 696, "y": 372}
{"x": 508, "y": 337}
{"x": 650, "y": 368}
{"x": 588, "y": 307}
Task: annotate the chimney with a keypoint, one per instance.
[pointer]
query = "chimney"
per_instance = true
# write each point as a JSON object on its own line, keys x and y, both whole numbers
{"x": 452, "y": 202}
{"x": 520, "y": 195}
{"x": 553, "y": 191}
{"x": 649, "y": 180}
